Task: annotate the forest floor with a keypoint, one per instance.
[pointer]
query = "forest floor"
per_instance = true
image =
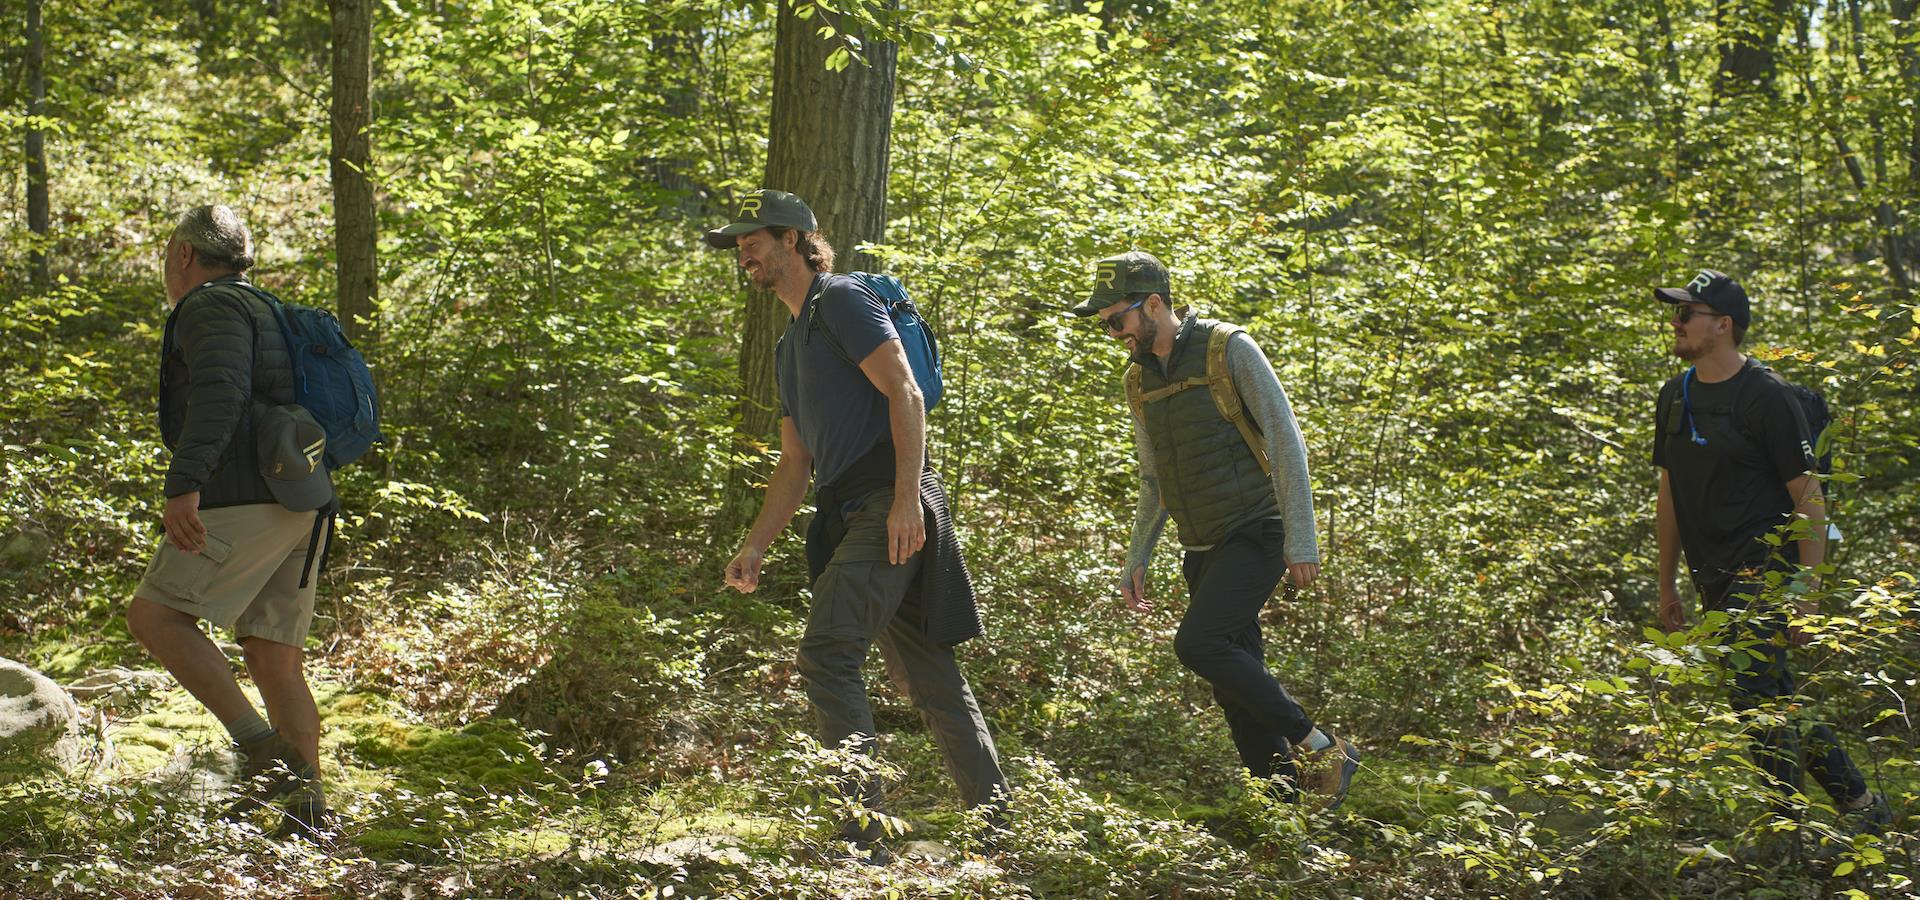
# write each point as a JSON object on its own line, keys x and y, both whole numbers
{"x": 488, "y": 808}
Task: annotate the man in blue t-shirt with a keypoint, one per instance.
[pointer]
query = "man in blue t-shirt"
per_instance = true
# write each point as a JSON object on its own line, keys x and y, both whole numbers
{"x": 886, "y": 567}
{"x": 1736, "y": 467}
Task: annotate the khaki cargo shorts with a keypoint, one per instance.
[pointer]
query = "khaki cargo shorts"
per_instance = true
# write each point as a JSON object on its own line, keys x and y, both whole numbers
{"x": 247, "y": 579}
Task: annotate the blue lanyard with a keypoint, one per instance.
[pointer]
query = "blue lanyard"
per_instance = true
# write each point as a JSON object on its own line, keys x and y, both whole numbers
{"x": 1686, "y": 403}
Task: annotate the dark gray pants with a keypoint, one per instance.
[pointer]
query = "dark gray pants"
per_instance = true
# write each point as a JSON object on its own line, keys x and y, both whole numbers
{"x": 862, "y": 599}
{"x": 1219, "y": 639}
{"x": 1764, "y": 679}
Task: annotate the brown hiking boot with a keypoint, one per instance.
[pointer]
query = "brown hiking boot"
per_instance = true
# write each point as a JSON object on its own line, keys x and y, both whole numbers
{"x": 269, "y": 769}
{"x": 1328, "y": 772}
{"x": 307, "y": 818}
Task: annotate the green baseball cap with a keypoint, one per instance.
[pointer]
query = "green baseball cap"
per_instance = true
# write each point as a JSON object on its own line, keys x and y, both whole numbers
{"x": 764, "y": 209}
{"x": 1115, "y": 277}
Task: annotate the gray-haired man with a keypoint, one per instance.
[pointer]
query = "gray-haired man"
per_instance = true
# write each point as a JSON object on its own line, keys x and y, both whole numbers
{"x": 233, "y": 554}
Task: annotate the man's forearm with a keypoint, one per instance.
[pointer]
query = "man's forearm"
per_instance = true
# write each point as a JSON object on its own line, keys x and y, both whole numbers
{"x": 907, "y": 416}
{"x": 1149, "y": 517}
{"x": 1812, "y": 507}
{"x": 786, "y": 489}
{"x": 1666, "y": 537}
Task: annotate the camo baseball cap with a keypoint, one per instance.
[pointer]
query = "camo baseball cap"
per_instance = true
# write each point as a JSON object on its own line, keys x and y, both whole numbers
{"x": 1116, "y": 277}
{"x": 763, "y": 209}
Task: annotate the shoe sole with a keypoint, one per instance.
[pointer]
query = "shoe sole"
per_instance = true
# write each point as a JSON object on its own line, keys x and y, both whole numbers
{"x": 1349, "y": 766}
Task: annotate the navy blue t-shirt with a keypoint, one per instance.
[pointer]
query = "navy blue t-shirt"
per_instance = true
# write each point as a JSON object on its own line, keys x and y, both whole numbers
{"x": 839, "y": 413}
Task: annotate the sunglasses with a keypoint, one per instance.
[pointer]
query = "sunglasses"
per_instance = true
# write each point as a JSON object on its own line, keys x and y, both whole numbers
{"x": 1117, "y": 321}
{"x": 1685, "y": 314}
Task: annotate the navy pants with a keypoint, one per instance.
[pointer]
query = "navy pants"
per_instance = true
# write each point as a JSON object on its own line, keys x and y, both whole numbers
{"x": 1219, "y": 639}
{"x": 1779, "y": 748}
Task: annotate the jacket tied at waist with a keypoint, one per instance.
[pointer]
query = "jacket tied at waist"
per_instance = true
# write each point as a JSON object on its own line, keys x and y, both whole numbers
{"x": 949, "y": 607}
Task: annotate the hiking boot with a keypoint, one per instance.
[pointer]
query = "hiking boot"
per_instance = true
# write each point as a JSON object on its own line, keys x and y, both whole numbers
{"x": 1328, "y": 772}
{"x": 269, "y": 769}
{"x": 1872, "y": 818}
{"x": 306, "y": 818}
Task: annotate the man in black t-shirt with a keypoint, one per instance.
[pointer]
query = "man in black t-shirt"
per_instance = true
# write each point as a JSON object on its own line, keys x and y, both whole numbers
{"x": 1736, "y": 466}
{"x": 887, "y": 568}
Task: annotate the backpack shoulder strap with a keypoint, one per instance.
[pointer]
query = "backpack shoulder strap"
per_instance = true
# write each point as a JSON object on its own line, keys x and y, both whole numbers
{"x": 1227, "y": 397}
{"x": 818, "y": 322}
{"x": 1135, "y": 399}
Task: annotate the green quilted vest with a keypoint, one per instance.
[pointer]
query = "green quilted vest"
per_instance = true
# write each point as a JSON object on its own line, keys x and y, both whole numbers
{"x": 1210, "y": 479}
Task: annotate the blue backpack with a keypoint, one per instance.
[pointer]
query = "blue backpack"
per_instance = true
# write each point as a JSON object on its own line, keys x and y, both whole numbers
{"x": 330, "y": 378}
{"x": 923, "y": 349}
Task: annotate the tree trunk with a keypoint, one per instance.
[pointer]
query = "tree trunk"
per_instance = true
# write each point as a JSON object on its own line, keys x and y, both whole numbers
{"x": 351, "y": 164}
{"x": 1907, "y": 39}
{"x": 38, "y": 207}
{"x": 828, "y": 142}
{"x": 1750, "y": 30}
{"x": 1883, "y": 212}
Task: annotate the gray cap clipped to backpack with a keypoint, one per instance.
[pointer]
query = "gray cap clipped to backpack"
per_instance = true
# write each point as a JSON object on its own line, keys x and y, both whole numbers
{"x": 291, "y": 446}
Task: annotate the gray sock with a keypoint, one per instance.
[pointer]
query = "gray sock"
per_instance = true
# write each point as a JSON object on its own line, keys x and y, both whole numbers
{"x": 1316, "y": 741}
{"x": 249, "y": 728}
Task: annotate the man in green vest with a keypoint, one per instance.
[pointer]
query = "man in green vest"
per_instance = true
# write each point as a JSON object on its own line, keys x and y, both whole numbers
{"x": 1235, "y": 483}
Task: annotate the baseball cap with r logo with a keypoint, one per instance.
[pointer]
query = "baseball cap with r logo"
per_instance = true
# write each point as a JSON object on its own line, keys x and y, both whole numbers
{"x": 763, "y": 209}
{"x": 1717, "y": 290}
{"x": 1117, "y": 277}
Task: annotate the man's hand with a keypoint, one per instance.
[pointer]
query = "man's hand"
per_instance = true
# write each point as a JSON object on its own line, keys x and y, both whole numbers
{"x": 743, "y": 571}
{"x": 906, "y": 528}
{"x": 1133, "y": 587}
{"x": 1673, "y": 616}
{"x": 182, "y": 520}
{"x": 1303, "y": 574}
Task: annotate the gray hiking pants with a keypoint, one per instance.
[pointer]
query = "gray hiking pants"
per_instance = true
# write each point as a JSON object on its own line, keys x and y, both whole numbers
{"x": 862, "y": 599}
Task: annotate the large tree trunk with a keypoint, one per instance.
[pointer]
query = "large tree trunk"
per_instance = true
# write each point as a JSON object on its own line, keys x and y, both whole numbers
{"x": 351, "y": 164}
{"x": 1883, "y": 211}
{"x": 38, "y": 208}
{"x": 1907, "y": 38}
{"x": 1750, "y": 30}
{"x": 828, "y": 143}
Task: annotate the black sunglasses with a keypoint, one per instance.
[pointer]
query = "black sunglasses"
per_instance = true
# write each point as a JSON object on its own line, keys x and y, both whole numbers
{"x": 1685, "y": 314}
{"x": 1117, "y": 321}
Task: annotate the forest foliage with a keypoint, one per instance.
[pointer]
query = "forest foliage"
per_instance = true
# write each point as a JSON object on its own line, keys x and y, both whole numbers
{"x": 1440, "y": 218}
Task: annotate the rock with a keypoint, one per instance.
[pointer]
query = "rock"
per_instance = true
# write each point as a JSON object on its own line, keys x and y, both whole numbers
{"x": 39, "y": 722}
{"x": 930, "y": 851}
{"x": 725, "y": 848}
{"x": 117, "y": 686}
{"x": 25, "y": 551}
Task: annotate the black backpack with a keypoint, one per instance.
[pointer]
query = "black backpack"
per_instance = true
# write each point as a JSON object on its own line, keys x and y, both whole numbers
{"x": 1813, "y": 407}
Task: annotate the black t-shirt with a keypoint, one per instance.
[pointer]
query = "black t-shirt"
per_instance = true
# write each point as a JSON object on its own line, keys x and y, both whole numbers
{"x": 1731, "y": 491}
{"x": 839, "y": 413}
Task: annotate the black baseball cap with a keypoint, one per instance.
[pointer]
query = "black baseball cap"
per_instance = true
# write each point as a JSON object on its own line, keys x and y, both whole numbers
{"x": 291, "y": 445}
{"x": 1717, "y": 290}
{"x": 1116, "y": 277}
{"x": 764, "y": 209}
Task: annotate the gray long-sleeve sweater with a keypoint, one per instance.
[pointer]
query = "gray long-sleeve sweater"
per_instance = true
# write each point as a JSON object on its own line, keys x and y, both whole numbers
{"x": 1260, "y": 390}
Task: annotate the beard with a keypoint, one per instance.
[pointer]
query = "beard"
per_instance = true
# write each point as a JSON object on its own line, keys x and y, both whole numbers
{"x": 1686, "y": 351}
{"x": 765, "y": 274}
{"x": 1143, "y": 343}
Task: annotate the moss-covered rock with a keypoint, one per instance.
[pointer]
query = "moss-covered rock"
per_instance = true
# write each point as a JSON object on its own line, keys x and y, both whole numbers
{"x": 38, "y": 721}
